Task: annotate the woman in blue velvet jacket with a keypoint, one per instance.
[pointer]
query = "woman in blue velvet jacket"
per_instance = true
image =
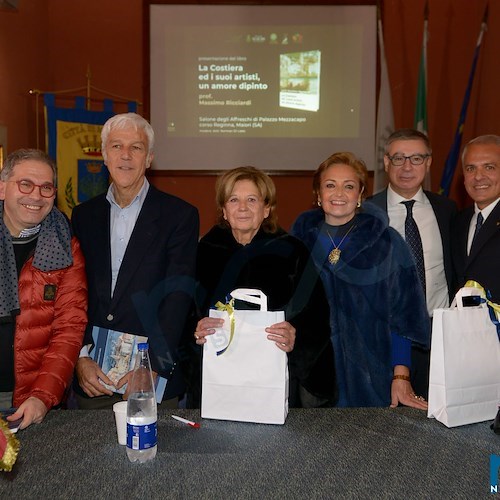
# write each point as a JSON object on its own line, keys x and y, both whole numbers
{"x": 376, "y": 302}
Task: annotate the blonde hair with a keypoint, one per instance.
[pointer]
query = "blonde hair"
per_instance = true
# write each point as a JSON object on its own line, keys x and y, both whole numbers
{"x": 267, "y": 190}
{"x": 342, "y": 158}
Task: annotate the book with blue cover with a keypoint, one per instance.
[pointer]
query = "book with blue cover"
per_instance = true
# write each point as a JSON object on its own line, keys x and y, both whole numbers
{"x": 115, "y": 352}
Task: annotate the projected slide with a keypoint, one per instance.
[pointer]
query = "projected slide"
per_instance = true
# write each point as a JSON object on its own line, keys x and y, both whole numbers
{"x": 269, "y": 86}
{"x": 247, "y": 81}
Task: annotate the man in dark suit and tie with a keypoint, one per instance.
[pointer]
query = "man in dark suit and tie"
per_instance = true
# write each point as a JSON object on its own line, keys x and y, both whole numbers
{"x": 424, "y": 219}
{"x": 140, "y": 251}
{"x": 476, "y": 250}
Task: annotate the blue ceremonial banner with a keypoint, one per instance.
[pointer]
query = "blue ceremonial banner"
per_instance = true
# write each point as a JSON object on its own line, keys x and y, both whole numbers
{"x": 74, "y": 142}
{"x": 452, "y": 159}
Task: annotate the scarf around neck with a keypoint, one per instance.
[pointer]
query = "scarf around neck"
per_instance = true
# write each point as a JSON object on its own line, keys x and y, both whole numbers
{"x": 52, "y": 252}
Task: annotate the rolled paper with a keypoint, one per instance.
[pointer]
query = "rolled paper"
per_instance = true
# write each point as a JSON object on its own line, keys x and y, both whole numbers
{"x": 9, "y": 447}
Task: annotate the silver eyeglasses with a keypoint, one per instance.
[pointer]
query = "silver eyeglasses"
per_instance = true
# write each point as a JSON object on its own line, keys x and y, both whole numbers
{"x": 27, "y": 187}
{"x": 399, "y": 160}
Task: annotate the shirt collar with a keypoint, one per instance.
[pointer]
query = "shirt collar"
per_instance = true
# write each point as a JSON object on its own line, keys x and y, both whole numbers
{"x": 140, "y": 196}
{"x": 30, "y": 231}
{"x": 486, "y": 210}
{"x": 394, "y": 198}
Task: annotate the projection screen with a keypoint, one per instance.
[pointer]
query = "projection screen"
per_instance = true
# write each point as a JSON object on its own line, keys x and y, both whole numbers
{"x": 280, "y": 87}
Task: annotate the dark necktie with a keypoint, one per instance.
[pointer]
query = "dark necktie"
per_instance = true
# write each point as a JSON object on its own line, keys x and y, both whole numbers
{"x": 412, "y": 236}
{"x": 479, "y": 223}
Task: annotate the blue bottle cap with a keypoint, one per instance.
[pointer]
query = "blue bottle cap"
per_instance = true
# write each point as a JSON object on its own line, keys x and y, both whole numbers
{"x": 143, "y": 346}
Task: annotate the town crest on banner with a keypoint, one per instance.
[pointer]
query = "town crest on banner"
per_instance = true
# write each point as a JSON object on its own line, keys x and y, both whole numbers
{"x": 74, "y": 142}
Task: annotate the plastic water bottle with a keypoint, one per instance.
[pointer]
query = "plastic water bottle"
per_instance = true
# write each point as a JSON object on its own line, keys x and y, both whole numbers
{"x": 141, "y": 410}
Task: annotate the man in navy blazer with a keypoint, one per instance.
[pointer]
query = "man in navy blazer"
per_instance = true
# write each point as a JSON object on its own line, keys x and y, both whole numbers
{"x": 140, "y": 251}
{"x": 477, "y": 256}
{"x": 408, "y": 157}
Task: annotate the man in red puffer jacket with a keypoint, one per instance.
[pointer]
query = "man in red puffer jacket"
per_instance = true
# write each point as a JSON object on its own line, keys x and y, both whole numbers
{"x": 43, "y": 290}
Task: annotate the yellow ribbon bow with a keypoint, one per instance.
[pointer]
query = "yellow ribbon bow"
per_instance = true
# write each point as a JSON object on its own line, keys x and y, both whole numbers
{"x": 475, "y": 284}
{"x": 229, "y": 308}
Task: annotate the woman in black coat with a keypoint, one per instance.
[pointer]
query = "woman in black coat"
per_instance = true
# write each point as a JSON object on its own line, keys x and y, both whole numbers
{"x": 247, "y": 249}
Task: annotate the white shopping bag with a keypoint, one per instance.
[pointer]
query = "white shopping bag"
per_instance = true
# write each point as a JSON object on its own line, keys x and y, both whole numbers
{"x": 464, "y": 379}
{"x": 245, "y": 376}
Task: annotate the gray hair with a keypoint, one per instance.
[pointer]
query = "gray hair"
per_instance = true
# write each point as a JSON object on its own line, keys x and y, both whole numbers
{"x": 21, "y": 155}
{"x": 482, "y": 139}
{"x": 126, "y": 120}
{"x": 408, "y": 134}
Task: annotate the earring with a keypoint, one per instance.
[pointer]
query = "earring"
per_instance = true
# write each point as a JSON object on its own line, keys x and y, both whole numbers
{"x": 358, "y": 204}
{"x": 319, "y": 203}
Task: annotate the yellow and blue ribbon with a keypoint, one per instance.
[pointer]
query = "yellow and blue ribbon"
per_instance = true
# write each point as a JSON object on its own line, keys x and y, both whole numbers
{"x": 494, "y": 309}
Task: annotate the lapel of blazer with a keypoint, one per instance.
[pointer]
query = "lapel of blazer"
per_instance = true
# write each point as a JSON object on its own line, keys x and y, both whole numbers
{"x": 462, "y": 235}
{"x": 380, "y": 199}
{"x": 436, "y": 207}
{"x": 490, "y": 227}
{"x": 145, "y": 230}
{"x": 442, "y": 219}
{"x": 100, "y": 240}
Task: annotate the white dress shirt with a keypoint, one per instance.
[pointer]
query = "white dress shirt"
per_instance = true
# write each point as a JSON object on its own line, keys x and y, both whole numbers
{"x": 122, "y": 222}
{"x": 425, "y": 218}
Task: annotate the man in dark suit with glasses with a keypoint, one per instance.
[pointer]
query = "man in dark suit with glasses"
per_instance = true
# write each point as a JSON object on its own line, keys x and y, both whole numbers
{"x": 424, "y": 219}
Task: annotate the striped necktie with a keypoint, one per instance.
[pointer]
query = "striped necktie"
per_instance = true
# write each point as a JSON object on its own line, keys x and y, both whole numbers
{"x": 412, "y": 237}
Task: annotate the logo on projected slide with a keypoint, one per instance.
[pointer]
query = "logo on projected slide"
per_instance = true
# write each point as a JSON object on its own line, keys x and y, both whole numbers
{"x": 494, "y": 465}
{"x": 90, "y": 146}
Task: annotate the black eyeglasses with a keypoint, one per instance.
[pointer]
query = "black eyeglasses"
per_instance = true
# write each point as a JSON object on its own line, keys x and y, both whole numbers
{"x": 399, "y": 160}
{"x": 27, "y": 187}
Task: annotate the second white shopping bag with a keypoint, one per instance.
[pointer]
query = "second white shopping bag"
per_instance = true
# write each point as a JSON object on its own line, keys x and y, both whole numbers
{"x": 245, "y": 376}
{"x": 464, "y": 381}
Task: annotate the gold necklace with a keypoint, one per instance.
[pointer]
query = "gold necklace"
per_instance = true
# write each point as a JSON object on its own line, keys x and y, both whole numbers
{"x": 334, "y": 255}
